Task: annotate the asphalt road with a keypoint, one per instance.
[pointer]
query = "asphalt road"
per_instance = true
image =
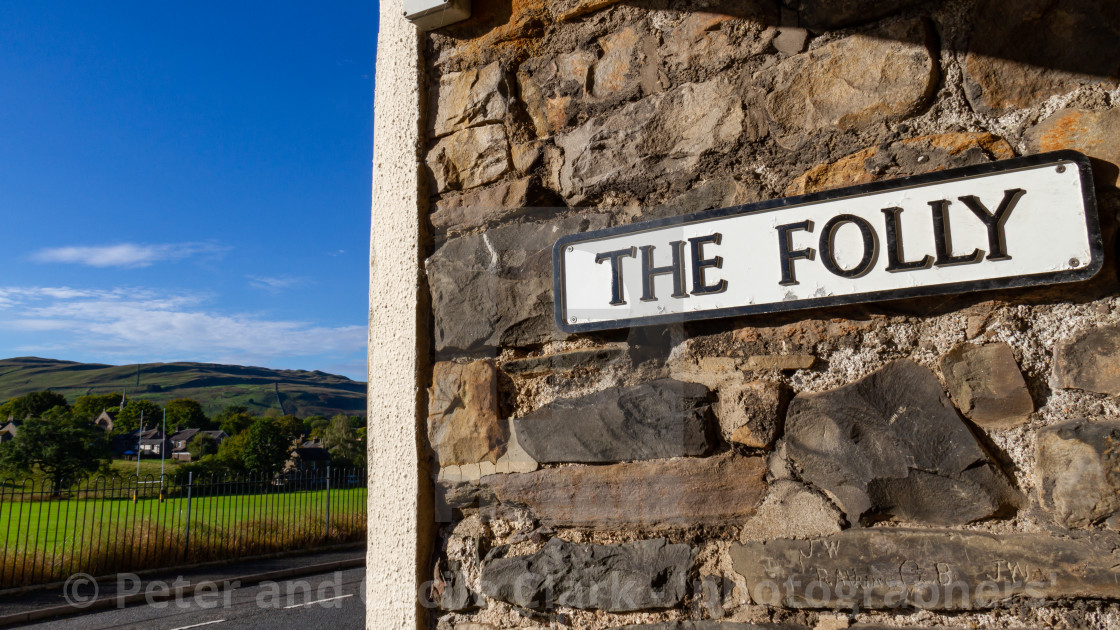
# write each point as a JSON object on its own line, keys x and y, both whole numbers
{"x": 330, "y": 601}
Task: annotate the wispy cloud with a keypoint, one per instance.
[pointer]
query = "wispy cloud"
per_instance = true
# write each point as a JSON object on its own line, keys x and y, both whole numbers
{"x": 275, "y": 283}
{"x": 124, "y": 254}
{"x": 151, "y": 325}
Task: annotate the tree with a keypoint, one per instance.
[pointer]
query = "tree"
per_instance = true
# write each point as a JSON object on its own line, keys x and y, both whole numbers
{"x": 61, "y": 445}
{"x": 291, "y": 427}
{"x": 234, "y": 419}
{"x": 184, "y": 413}
{"x": 201, "y": 445}
{"x": 129, "y": 417}
{"x": 315, "y": 425}
{"x": 32, "y": 405}
{"x": 231, "y": 453}
{"x": 91, "y": 406}
{"x": 342, "y": 443}
{"x": 266, "y": 448}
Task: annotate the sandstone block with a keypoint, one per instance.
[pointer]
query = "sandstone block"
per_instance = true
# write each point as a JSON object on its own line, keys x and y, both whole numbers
{"x": 463, "y": 422}
{"x": 514, "y": 460}
{"x": 930, "y": 569}
{"x": 468, "y": 158}
{"x": 912, "y": 156}
{"x": 469, "y": 99}
{"x": 553, "y": 88}
{"x": 655, "y": 495}
{"x": 495, "y": 288}
{"x": 776, "y": 362}
{"x": 657, "y": 138}
{"x": 986, "y": 385}
{"x": 892, "y": 445}
{"x": 751, "y": 413}
{"x": 563, "y": 362}
{"x": 641, "y": 575}
{"x": 1091, "y": 361}
{"x": 483, "y": 206}
{"x": 1079, "y": 465}
{"x": 791, "y": 510}
{"x": 713, "y": 40}
{"x": 855, "y": 82}
{"x": 1021, "y": 52}
{"x": 1091, "y": 133}
{"x": 663, "y": 418}
{"x": 828, "y": 15}
{"x": 564, "y": 10}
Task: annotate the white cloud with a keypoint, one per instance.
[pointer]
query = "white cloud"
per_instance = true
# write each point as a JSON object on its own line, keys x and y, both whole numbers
{"x": 274, "y": 283}
{"x": 149, "y": 325}
{"x": 123, "y": 254}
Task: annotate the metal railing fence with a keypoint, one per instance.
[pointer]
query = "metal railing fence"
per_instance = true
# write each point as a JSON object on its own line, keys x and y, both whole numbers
{"x": 106, "y": 525}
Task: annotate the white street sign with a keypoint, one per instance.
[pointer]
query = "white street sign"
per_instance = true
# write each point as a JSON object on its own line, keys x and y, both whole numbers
{"x": 1013, "y": 223}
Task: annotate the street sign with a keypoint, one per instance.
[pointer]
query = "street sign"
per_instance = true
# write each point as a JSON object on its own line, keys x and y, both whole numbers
{"x": 1014, "y": 223}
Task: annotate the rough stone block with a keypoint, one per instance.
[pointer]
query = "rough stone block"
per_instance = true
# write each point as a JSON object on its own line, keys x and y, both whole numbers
{"x": 827, "y": 15}
{"x": 483, "y": 206}
{"x": 790, "y": 510}
{"x": 912, "y": 156}
{"x": 563, "y": 362}
{"x": 468, "y": 158}
{"x": 986, "y": 385}
{"x": 664, "y": 418}
{"x": 855, "y": 82}
{"x": 661, "y": 137}
{"x": 495, "y": 288}
{"x": 1091, "y": 361}
{"x": 1092, "y": 133}
{"x": 1079, "y": 466}
{"x": 1021, "y": 52}
{"x": 931, "y": 570}
{"x": 751, "y": 413}
{"x": 463, "y": 422}
{"x": 655, "y": 495}
{"x": 711, "y": 41}
{"x": 641, "y": 575}
{"x": 469, "y": 99}
{"x": 564, "y": 10}
{"x": 514, "y": 460}
{"x": 892, "y": 445}
{"x": 553, "y": 88}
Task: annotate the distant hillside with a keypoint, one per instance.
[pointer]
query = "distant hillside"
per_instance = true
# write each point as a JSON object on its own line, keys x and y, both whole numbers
{"x": 214, "y": 386}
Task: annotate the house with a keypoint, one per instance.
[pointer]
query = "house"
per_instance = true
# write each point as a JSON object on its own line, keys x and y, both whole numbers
{"x": 180, "y": 439}
{"x": 106, "y": 419}
{"x": 310, "y": 457}
{"x": 153, "y": 443}
{"x": 8, "y": 432}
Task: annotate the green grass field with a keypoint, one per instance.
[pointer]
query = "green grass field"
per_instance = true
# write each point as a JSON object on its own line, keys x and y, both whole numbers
{"x": 55, "y": 538}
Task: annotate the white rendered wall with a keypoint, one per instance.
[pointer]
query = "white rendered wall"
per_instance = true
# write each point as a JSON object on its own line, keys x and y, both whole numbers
{"x": 399, "y": 507}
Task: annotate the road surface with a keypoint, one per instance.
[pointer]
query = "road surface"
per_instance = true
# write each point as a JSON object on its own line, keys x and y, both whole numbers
{"x": 329, "y": 601}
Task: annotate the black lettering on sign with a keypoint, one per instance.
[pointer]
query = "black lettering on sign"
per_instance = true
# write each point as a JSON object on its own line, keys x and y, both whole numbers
{"x": 828, "y": 246}
{"x": 994, "y": 222}
{"x": 943, "y": 239}
{"x": 616, "y": 270}
{"x": 649, "y": 272}
{"x": 699, "y": 264}
{"x": 789, "y": 255}
{"x": 896, "y": 259}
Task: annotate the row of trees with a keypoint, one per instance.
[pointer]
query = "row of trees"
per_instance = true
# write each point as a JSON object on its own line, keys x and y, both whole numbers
{"x": 60, "y": 439}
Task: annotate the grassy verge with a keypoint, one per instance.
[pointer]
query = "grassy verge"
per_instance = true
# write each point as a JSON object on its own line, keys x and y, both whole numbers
{"x": 42, "y": 541}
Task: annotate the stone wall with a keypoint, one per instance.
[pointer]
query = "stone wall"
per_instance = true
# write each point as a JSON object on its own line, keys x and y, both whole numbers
{"x": 946, "y": 461}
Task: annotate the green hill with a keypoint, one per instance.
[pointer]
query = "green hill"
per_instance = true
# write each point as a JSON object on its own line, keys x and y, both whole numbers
{"x": 214, "y": 386}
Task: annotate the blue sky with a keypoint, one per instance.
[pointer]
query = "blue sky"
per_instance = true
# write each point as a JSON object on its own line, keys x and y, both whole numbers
{"x": 186, "y": 181}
